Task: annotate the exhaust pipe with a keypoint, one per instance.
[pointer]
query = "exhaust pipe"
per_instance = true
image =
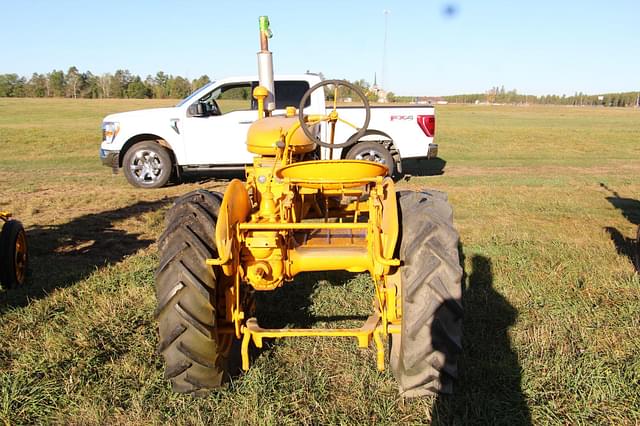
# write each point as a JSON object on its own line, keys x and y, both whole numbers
{"x": 265, "y": 65}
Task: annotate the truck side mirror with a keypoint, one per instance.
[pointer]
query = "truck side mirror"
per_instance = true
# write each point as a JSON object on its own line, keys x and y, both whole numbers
{"x": 196, "y": 110}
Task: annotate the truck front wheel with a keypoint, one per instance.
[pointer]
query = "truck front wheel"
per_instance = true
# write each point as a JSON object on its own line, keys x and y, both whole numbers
{"x": 147, "y": 164}
{"x": 372, "y": 151}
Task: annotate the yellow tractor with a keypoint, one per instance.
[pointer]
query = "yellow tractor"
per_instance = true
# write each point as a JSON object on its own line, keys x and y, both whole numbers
{"x": 294, "y": 216}
{"x": 13, "y": 252}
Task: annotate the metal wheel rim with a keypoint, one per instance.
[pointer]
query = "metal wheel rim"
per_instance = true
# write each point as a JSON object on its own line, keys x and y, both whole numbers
{"x": 20, "y": 259}
{"x": 371, "y": 155}
{"x": 146, "y": 166}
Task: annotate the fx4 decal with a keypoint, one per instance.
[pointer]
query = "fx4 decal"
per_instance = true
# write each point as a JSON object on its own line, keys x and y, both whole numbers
{"x": 401, "y": 117}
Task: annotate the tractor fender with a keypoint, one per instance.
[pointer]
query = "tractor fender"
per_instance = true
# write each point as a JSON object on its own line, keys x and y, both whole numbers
{"x": 235, "y": 208}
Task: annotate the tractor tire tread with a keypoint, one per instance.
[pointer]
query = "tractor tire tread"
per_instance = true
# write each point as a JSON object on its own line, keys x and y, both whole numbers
{"x": 186, "y": 296}
{"x": 424, "y": 355}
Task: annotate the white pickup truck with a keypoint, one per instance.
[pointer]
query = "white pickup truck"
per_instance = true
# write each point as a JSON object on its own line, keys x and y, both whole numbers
{"x": 207, "y": 130}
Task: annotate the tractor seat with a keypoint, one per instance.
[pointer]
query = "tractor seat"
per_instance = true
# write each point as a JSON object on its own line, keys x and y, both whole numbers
{"x": 332, "y": 174}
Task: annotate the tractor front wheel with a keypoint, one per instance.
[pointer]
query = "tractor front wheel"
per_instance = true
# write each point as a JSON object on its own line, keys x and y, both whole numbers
{"x": 195, "y": 359}
{"x": 424, "y": 355}
{"x": 13, "y": 254}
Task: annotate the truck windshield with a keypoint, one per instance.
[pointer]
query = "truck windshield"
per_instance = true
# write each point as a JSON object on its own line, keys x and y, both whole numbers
{"x": 195, "y": 94}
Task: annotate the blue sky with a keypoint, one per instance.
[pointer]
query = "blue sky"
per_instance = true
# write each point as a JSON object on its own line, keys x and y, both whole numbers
{"x": 537, "y": 47}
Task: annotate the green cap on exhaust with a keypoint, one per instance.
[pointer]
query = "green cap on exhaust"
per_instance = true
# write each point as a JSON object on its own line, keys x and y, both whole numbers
{"x": 264, "y": 26}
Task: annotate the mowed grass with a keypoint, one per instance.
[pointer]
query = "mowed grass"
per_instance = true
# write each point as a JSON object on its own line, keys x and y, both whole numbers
{"x": 546, "y": 203}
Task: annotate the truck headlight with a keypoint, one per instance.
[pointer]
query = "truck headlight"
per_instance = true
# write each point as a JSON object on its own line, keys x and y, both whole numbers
{"x": 109, "y": 131}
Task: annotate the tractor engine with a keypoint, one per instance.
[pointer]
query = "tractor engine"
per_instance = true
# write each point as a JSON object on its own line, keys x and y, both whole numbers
{"x": 264, "y": 254}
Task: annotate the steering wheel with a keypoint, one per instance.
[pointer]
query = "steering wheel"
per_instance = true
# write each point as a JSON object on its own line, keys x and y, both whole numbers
{"x": 333, "y": 118}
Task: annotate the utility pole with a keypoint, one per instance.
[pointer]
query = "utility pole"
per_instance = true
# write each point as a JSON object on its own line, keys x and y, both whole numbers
{"x": 384, "y": 49}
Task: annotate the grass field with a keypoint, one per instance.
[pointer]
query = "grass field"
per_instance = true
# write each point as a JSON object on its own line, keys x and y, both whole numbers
{"x": 546, "y": 203}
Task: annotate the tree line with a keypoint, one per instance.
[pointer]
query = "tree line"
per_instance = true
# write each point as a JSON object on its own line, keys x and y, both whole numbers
{"x": 76, "y": 84}
{"x": 124, "y": 84}
{"x": 501, "y": 96}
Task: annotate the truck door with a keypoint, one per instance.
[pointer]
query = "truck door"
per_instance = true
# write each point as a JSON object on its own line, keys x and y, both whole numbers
{"x": 216, "y": 134}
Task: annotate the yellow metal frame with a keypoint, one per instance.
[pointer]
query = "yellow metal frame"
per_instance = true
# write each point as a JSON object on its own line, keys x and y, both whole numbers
{"x": 370, "y": 330}
{"x": 278, "y": 225}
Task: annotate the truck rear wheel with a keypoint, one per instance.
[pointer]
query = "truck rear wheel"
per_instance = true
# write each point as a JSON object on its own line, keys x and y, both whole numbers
{"x": 193, "y": 352}
{"x": 13, "y": 254}
{"x": 147, "y": 164}
{"x": 372, "y": 151}
{"x": 424, "y": 355}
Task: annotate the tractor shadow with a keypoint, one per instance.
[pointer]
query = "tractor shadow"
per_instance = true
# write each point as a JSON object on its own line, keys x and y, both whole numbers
{"x": 415, "y": 167}
{"x": 61, "y": 255}
{"x": 630, "y": 209}
{"x": 202, "y": 177}
{"x": 291, "y": 305}
{"x": 488, "y": 389}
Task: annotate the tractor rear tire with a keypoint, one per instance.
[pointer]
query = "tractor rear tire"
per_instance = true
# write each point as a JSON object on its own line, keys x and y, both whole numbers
{"x": 186, "y": 296}
{"x": 424, "y": 355}
{"x": 13, "y": 254}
